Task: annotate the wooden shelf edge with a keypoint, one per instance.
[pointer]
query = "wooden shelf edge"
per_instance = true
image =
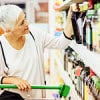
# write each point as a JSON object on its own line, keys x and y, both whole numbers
{"x": 65, "y": 5}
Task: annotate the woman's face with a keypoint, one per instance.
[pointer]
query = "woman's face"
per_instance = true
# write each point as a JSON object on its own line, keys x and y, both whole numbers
{"x": 21, "y": 26}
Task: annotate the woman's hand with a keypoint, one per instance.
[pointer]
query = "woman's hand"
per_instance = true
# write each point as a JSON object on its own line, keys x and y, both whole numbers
{"x": 69, "y": 15}
{"x": 22, "y": 85}
{"x": 68, "y": 30}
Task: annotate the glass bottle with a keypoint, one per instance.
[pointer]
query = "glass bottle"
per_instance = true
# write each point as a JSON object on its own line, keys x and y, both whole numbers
{"x": 96, "y": 87}
{"x": 95, "y": 29}
{"x": 89, "y": 31}
{"x": 90, "y": 4}
{"x": 75, "y": 17}
{"x": 98, "y": 35}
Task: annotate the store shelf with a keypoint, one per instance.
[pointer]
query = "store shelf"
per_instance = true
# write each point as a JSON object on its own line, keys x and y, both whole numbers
{"x": 65, "y": 5}
{"x": 90, "y": 58}
{"x": 67, "y": 80}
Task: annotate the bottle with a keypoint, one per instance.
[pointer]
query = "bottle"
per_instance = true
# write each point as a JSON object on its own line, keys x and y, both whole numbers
{"x": 84, "y": 76}
{"x": 90, "y": 4}
{"x": 88, "y": 83}
{"x": 98, "y": 4}
{"x": 89, "y": 32}
{"x": 83, "y": 9}
{"x": 70, "y": 64}
{"x": 75, "y": 16}
{"x": 98, "y": 89}
{"x": 95, "y": 32}
{"x": 98, "y": 35}
{"x": 84, "y": 33}
{"x": 96, "y": 86}
{"x": 78, "y": 80}
{"x": 98, "y": 43}
{"x": 89, "y": 35}
{"x": 85, "y": 6}
{"x": 67, "y": 52}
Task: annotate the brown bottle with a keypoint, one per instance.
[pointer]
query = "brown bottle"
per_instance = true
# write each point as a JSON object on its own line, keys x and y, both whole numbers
{"x": 77, "y": 34}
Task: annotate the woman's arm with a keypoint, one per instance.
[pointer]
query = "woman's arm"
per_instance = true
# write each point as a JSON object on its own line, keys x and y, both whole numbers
{"x": 63, "y": 41}
{"x": 52, "y": 42}
{"x": 22, "y": 85}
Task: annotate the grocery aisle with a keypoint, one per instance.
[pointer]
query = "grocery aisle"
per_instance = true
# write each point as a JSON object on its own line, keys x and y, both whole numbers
{"x": 86, "y": 49}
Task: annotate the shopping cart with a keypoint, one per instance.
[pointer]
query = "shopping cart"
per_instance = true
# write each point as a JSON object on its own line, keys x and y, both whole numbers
{"x": 63, "y": 90}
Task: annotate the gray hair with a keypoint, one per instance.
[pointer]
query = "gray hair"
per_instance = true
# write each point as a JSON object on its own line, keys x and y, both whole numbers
{"x": 9, "y": 15}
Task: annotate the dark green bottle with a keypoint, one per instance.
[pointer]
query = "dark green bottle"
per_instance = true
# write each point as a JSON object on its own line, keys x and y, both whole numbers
{"x": 96, "y": 87}
{"x": 89, "y": 34}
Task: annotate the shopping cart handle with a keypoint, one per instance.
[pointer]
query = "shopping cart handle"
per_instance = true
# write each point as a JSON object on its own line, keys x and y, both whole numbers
{"x": 63, "y": 89}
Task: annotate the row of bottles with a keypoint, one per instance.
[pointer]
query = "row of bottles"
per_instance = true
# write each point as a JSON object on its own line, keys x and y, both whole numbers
{"x": 86, "y": 82}
{"x": 86, "y": 23}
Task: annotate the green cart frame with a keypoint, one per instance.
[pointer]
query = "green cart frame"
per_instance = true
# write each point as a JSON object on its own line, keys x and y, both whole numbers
{"x": 63, "y": 89}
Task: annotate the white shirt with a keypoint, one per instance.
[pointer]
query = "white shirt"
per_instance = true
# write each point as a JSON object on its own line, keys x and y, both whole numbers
{"x": 27, "y": 62}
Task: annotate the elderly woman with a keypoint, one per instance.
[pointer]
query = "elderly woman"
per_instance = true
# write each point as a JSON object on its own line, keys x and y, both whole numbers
{"x": 21, "y": 51}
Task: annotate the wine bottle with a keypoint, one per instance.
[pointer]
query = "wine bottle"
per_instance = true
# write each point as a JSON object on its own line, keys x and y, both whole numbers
{"x": 96, "y": 87}
{"x": 89, "y": 31}
{"x": 75, "y": 17}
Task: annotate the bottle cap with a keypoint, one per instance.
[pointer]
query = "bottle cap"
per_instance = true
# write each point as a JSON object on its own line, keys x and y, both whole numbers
{"x": 81, "y": 7}
{"x": 85, "y": 5}
{"x": 75, "y": 7}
